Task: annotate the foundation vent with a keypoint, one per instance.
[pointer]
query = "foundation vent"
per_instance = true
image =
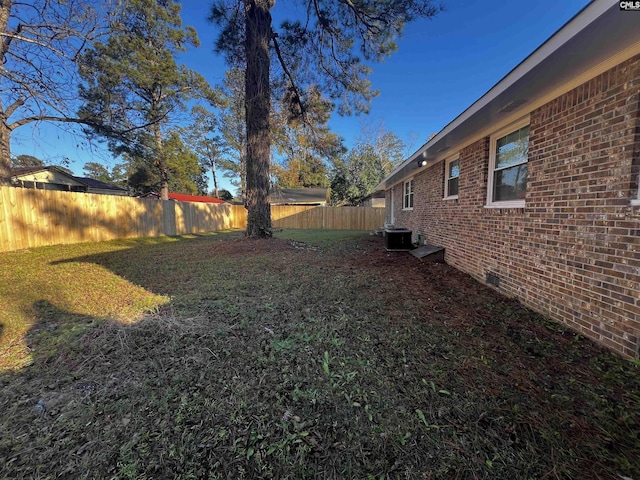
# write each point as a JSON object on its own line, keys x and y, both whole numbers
{"x": 493, "y": 279}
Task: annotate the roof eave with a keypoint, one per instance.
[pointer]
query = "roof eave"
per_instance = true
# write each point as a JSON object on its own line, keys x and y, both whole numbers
{"x": 526, "y": 77}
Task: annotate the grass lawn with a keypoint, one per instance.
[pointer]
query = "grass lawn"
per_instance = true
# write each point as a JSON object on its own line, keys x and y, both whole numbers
{"x": 312, "y": 355}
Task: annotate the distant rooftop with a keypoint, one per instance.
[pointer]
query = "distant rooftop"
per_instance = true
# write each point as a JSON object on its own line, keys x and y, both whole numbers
{"x": 89, "y": 182}
{"x": 299, "y": 196}
{"x": 93, "y": 183}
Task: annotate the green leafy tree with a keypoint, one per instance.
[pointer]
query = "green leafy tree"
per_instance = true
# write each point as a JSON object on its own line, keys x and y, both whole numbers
{"x": 356, "y": 176}
{"x": 117, "y": 175}
{"x": 26, "y": 161}
{"x": 225, "y": 195}
{"x": 324, "y": 48}
{"x": 301, "y": 173}
{"x": 97, "y": 171}
{"x": 133, "y": 85}
{"x": 183, "y": 170}
{"x": 39, "y": 47}
{"x": 186, "y": 173}
{"x": 388, "y": 146}
{"x": 372, "y": 159}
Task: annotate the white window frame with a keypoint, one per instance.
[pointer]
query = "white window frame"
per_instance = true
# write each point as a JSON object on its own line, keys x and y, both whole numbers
{"x": 407, "y": 196}
{"x": 447, "y": 162}
{"x": 492, "y": 165}
{"x": 635, "y": 202}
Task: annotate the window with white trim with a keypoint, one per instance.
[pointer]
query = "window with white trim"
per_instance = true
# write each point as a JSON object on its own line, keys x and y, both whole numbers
{"x": 636, "y": 201}
{"x": 407, "y": 197}
{"x": 509, "y": 155}
{"x": 451, "y": 177}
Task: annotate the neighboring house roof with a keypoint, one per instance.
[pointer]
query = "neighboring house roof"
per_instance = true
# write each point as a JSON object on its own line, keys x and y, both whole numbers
{"x": 584, "y": 47}
{"x": 375, "y": 199}
{"x": 376, "y": 194}
{"x": 97, "y": 184}
{"x": 183, "y": 197}
{"x": 25, "y": 171}
{"x": 17, "y": 171}
{"x": 299, "y": 196}
{"x": 58, "y": 176}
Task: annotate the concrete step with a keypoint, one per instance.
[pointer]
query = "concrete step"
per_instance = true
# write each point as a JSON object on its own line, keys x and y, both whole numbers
{"x": 430, "y": 253}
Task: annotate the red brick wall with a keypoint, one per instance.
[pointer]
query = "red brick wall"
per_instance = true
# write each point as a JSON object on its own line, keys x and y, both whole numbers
{"x": 573, "y": 253}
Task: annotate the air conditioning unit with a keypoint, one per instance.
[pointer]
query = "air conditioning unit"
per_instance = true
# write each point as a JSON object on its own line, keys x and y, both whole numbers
{"x": 397, "y": 239}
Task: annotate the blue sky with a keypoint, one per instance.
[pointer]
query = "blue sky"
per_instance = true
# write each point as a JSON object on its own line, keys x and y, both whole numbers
{"x": 441, "y": 67}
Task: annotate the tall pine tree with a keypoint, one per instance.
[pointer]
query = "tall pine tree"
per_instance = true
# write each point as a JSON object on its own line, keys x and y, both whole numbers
{"x": 326, "y": 48}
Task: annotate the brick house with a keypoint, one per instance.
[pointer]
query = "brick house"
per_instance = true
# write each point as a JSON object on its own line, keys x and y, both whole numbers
{"x": 534, "y": 188}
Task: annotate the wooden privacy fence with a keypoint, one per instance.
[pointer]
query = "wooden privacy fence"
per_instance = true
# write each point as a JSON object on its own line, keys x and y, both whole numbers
{"x": 35, "y": 218}
{"x": 329, "y": 218}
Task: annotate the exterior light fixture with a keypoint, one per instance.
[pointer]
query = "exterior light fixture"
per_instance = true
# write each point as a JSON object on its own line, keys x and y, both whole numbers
{"x": 422, "y": 162}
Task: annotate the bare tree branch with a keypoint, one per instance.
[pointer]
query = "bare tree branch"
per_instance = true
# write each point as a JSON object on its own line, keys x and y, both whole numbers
{"x": 292, "y": 83}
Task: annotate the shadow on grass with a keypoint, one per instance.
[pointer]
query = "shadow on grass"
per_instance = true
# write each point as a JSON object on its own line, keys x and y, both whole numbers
{"x": 100, "y": 398}
{"x": 44, "y": 406}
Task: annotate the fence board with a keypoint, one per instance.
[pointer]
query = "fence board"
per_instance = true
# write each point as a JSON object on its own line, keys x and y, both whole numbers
{"x": 333, "y": 218}
{"x": 32, "y": 218}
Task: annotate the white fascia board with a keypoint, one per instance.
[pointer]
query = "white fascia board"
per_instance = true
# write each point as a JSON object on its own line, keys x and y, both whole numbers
{"x": 564, "y": 34}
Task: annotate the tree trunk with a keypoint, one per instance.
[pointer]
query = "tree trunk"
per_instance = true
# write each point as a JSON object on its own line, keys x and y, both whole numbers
{"x": 161, "y": 163}
{"x": 211, "y": 157}
{"x": 243, "y": 178}
{"x": 5, "y": 132}
{"x": 215, "y": 180}
{"x": 257, "y": 102}
{"x": 5, "y": 152}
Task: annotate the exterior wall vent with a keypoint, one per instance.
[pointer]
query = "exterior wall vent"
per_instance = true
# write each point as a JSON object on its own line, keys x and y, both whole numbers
{"x": 493, "y": 279}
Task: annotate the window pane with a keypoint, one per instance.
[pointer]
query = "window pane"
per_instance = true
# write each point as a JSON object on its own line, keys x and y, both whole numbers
{"x": 454, "y": 169}
{"x": 512, "y": 149}
{"x": 452, "y": 187}
{"x": 510, "y": 183}
{"x": 411, "y": 194}
{"x": 408, "y": 195}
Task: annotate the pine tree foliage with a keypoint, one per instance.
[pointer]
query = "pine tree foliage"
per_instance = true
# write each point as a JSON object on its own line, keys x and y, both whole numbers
{"x": 202, "y": 137}
{"x": 232, "y": 128}
{"x": 328, "y": 44}
{"x": 27, "y": 161}
{"x": 134, "y": 87}
{"x": 305, "y": 146}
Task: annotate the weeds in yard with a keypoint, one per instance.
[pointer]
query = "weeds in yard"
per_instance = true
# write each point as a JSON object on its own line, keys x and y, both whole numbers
{"x": 243, "y": 367}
